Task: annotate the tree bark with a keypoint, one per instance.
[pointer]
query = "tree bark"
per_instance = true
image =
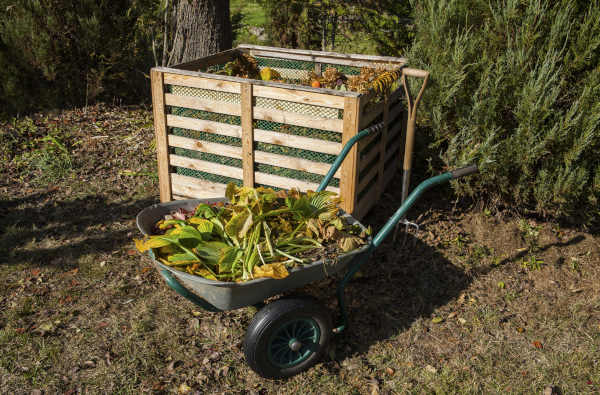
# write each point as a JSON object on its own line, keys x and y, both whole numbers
{"x": 203, "y": 28}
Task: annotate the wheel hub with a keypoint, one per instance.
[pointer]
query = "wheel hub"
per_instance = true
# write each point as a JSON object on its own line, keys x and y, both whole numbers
{"x": 294, "y": 344}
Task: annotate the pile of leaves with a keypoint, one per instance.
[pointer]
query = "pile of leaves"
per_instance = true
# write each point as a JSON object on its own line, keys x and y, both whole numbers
{"x": 380, "y": 80}
{"x": 258, "y": 233}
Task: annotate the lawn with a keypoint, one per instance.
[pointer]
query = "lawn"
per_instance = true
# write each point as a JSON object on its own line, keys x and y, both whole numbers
{"x": 474, "y": 301}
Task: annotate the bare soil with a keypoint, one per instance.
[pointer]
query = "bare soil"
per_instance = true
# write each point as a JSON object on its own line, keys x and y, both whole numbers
{"x": 474, "y": 301}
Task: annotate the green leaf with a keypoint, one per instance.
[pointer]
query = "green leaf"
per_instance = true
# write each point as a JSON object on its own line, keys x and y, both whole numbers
{"x": 182, "y": 259}
{"x": 203, "y": 225}
{"x": 239, "y": 224}
{"x": 204, "y": 211}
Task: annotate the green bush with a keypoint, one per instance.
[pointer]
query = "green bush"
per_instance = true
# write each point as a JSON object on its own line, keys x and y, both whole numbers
{"x": 62, "y": 53}
{"x": 515, "y": 87}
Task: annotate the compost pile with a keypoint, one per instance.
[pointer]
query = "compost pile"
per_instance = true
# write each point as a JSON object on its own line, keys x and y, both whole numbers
{"x": 258, "y": 233}
{"x": 380, "y": 80}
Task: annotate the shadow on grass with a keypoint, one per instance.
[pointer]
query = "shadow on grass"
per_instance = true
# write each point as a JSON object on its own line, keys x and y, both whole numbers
{"x": 42, "y": 230}
{"x": 400, "y": 285}
{"x": 404, "y": 282}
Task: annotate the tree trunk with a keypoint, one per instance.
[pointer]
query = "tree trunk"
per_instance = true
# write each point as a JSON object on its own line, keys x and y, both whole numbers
{"x": 203, "y": 28}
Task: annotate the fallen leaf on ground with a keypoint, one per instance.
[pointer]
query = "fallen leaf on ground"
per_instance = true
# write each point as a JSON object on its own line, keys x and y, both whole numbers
{"x": 437, "y": 320}
{"x": 537, "y": 344}
{"x": 430, "y": 369}
{"x": 35, "y": 272}
{"x": 184, "y": 389}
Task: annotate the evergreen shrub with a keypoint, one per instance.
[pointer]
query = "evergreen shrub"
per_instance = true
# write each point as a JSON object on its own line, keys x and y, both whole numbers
{"x": 515, "y": 87}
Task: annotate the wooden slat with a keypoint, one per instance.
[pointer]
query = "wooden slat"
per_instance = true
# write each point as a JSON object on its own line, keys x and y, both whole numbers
{"x": 301, "y": 142}
{"x": 396, "y": 94}
{"x": 368, "y": 158}
{"x": 387, "y": 59}
{"x": 298, "y": 96}
{"x": 290, "y": 162}
{"x": 288, "y": 183}
{"x": 394, "y": 131}
{"x": 392, "y": 149}
{"x": 325, "y": 59}
{"x": 362, "y": 144}
{"x": 395, "y": 111}
{"x": 209, "y": 167}
{"x": 195, "y": 81}
{"x": 160, "y": 130}
{"x": 370, "y": 113}
{"x": 219, "y": 57}
{"x": 291, "y": 118}
{"x": 367, "y": 178}
{"x": 382, "y": 146}
{"x": 247, "y": 136}
{"x": 349, "y": 180}
{"x": 195, "y": 187}
{"x": 205, "y": 146}
{"x": 367, "y": 202}
{"x": 201, "y": 125}
{"x": 389, "y": 173}
{"x": 178, "y": 197}
{"x": 197, "y": 103}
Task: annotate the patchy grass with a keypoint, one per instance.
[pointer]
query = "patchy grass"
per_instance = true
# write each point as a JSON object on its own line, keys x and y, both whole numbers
{"x": 452, "y": 309}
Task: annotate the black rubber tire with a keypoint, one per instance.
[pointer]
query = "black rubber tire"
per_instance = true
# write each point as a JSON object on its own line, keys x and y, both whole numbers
{"x": 271, "y": 319}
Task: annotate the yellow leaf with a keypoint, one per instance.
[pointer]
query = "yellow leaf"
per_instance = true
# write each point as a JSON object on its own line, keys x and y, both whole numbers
{"x": 272, "y": 270}
{"x": 152, "y": 242}
{"x": 205, "y": 273}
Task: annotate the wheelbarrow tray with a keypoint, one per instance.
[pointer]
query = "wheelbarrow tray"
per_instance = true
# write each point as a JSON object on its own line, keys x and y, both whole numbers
{"x": 232, "y": 295}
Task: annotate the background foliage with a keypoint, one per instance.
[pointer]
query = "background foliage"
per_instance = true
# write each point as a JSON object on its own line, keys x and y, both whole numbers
{"x": 62, "y": 53}
{"x": 515, "y": 87}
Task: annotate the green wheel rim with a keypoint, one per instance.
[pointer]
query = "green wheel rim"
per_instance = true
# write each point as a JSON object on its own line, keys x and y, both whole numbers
{"x": 293, "y": 342}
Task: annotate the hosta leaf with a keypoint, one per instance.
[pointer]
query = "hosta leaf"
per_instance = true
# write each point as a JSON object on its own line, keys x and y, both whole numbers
{"x": 204, "y": 211}
{"x": 203, "y": 225}
{"x": 210, "y": 251}
{"x": 229, "y": 256}
{"x": 182, "y": 259}
{"x": 152, "y": 242}
{"x": 239, "y": 224}
{"x": 230, "y": 191}
{"x": 349, "y": 243}
{"x": 205, "y": 273}
{"x": 169, "y": 223}
{"x": 272, "y": 270}
{"x": 169, "y": 249}
{"x": 190, "y": 232}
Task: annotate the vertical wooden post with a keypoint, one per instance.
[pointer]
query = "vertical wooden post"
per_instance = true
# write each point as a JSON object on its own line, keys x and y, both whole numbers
{"x": 247, "y": 135}
{"x": 383, "y": 147}
{"x": 349, "y": 172}
{"x": 160, "y": 132}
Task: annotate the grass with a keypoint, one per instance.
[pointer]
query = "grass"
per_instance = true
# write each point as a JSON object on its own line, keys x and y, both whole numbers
{"x": 80, "y": 310}
{"x": 252, "y": 12}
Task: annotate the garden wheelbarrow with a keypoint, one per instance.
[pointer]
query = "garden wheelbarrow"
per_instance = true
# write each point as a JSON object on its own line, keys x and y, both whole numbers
{"x": 288, "y": 335}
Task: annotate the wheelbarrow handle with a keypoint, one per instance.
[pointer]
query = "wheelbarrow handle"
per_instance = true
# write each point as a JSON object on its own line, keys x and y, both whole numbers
{"x": 340, "y": 158}
{"x": 464, "y": 171}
